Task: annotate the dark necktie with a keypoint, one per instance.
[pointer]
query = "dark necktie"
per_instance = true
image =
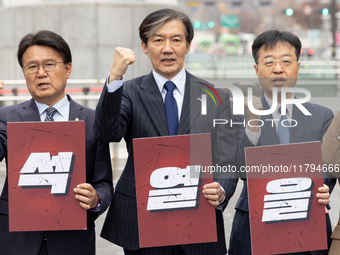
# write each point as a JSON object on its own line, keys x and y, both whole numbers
{"x": 171, "y": 110}
{"x": 283, "y": 132}
{"x": 50, "y": 111}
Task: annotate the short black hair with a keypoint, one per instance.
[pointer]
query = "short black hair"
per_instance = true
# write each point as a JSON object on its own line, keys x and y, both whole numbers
{"x": 45, "y": 38}
{"x": 156, "y": 19}
{"x": 270, "y": 38}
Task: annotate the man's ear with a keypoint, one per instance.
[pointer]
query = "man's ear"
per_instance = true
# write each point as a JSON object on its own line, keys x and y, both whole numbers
{"x": 256, "y": 70}
{"x": 145, "y": 49}
{"x": 68, "y": 68}
{"x": 188, "y": 48}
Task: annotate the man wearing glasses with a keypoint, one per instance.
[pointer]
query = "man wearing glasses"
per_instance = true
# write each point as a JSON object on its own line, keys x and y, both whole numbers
{"x": 277, "y": 65}
{"x": 46, "y": 62}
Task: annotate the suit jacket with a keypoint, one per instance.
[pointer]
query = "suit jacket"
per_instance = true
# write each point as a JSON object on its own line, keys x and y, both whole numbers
{"x": 98, "y": 173}
{"x": 330, "y": 149}
{"x": 309, "y": 128}
{"x": 137, "y": 110}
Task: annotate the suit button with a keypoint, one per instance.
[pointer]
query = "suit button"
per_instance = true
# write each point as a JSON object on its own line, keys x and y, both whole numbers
{"x": 338, "y": 138}
{"x": 44, "y": 236}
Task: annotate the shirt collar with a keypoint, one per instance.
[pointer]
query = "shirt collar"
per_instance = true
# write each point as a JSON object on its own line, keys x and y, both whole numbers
{"x": 179, "y": 80}
{"x": 61, "y": 106}
{"x": 275, "y": 113}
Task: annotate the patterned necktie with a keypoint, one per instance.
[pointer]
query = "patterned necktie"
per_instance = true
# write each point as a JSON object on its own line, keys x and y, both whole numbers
{"x": 283, "y": 131}
{"x": 171, "y": 109}
{"x": 50, "y": 111}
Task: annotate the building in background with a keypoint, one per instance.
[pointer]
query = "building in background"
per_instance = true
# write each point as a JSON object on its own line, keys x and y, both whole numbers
{"x": 216, "y": 20}
{"x": 93, "y": 28}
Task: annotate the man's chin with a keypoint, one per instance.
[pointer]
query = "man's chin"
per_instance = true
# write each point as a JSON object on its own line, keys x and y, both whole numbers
{"x": 278, "y": 94}
{"x": 169, "y": 72}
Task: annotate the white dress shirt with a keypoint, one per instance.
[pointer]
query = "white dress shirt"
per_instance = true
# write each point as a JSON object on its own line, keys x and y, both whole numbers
{"x": 254, "y": 137}
{"x": 62, "y": 113}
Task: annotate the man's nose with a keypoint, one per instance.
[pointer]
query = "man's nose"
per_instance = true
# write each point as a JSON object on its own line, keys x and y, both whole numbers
{"x": 41, "y": 71}
{"x": 277, "y": 67}
{"x": 167, "y": 47}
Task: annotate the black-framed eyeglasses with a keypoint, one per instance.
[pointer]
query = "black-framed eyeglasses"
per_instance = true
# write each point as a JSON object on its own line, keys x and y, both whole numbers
{"x": 48, "y": 66}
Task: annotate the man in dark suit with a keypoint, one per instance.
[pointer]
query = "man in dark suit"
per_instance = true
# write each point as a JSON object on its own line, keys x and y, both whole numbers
{"x": 276, "y": 55}
{"x": 45, "y": 59}
{"x": 137, "y": 109}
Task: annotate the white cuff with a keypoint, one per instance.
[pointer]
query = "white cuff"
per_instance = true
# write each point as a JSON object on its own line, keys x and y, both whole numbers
{"x": 114, "y": 85}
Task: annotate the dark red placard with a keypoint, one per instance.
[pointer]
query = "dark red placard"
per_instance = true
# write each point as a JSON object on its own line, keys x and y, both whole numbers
{"x": 193, "y": 221}
{"x": 46, "y": 161}
{"x": 285, "y": 216}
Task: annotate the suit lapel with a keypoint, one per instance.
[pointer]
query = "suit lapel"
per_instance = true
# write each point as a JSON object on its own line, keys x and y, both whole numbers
{"x": 75, "y": 111}
{"x": 191, "y": 106}
{"x": 296, "y": 133}
{"x": 29, "y": 111}
{"x": 153, "y": 102}
{"x": 268, "y": 130}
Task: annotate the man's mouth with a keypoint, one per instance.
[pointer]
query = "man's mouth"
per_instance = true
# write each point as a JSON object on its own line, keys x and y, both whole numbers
{"x": 42, "y": 84}
{"x": 168, "y": 60}
{"x": 278, "y": 81}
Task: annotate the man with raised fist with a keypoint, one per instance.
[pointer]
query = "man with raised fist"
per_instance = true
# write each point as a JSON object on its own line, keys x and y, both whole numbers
{"x": 136, "y": 108}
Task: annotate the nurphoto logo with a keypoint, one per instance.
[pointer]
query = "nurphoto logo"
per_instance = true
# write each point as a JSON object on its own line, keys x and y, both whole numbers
{"x": 239, "y": 99}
